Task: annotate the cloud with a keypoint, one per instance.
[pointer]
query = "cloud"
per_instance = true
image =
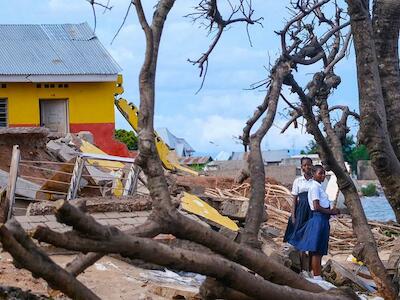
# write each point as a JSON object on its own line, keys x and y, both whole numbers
{"x": 229, "y": 102}
{"x": 67, "y": 6}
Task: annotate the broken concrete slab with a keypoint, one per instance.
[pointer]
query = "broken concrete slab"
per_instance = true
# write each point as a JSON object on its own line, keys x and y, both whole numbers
{"x": 98, "y": 176}
{"x": 234, "y": 209}
{"x": 94, "y": 205}
{"x": 61, "y": 150}
{"x": 24, "y": 188}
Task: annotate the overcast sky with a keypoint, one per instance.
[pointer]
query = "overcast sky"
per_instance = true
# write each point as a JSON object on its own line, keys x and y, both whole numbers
{"x": 212, "y": 119}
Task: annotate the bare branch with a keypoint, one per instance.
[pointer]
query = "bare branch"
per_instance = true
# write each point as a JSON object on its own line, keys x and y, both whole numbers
{"x": 93, "y": 3}
{"x": 123, "y": 21}
{"x": 208, "y": 9}
{"x": 297, "y": 18}
{"x": 340, "y": 55}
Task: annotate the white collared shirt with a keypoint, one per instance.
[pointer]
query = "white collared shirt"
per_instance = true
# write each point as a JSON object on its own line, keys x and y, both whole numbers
{"x": 301, "y": 185}
{"x": 316, "y": 192}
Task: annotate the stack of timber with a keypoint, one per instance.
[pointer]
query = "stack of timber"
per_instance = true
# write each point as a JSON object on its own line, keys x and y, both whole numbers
{"x": 278, "y": 203}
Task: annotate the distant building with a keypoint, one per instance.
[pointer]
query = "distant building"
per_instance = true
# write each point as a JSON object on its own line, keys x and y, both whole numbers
{"x": 181, "y": 147}
{"x": 230, "y": 168}
{"x": 270, "y": 157}
{"x": 196, "y": 162}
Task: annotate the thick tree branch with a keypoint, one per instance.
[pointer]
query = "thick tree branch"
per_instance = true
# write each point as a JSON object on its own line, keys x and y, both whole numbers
{"x": 230, "y": 273}
{"x": 25, "y": 253}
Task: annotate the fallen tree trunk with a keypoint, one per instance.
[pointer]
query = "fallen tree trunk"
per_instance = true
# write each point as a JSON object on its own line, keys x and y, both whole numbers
{"x": 27, "y": 254}
{"x": 106, "y": 239}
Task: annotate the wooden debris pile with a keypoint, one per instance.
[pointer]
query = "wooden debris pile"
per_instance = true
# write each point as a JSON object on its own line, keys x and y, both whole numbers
{"x": 278, "y": 203}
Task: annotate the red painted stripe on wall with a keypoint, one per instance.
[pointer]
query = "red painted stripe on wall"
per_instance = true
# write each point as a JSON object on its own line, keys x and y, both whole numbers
{"x": 103, "y": 134}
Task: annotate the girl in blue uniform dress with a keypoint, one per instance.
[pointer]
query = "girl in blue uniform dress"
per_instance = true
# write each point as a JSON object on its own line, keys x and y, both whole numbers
{"x": 301, "y": 212}
{"x": 314, "y": 235}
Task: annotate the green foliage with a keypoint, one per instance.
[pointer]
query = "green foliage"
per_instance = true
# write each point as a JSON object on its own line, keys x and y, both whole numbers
{"x": 128, "y": 138}
{"x": 197, "y": 167}
{"x": 311, "y": 148}
{"x": 353, "y": 153}
{"x": 369, "y": 190}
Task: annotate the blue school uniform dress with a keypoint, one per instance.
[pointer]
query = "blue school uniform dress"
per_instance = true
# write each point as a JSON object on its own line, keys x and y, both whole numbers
{"x": 302, "y": 213}
{"x": 314, "y": 235}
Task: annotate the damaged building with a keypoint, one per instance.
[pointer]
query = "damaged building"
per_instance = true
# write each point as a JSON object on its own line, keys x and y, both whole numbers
{"x": 60, "y": 77}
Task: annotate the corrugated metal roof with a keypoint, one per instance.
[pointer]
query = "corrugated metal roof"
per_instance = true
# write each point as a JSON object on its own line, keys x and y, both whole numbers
{"x": 193, "y": 160}
{"x": 65, "y": 49}
{"x": 223, "y": 155}
{"x": 239, "y": 155}
{"x": 181, "y": 147}
{"x": 268, "y": 156}
{"x": 275, "y": 155}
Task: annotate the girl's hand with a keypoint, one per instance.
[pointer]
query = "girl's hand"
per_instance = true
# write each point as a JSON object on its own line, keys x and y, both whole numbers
{"x": 335, "y": 211}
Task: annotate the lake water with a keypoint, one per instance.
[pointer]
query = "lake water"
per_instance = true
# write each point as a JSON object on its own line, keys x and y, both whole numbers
{"x": 377, "y": 209}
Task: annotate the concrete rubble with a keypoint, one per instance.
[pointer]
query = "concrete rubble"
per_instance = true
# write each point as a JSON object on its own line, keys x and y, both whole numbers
{"x": 24, "y": 188}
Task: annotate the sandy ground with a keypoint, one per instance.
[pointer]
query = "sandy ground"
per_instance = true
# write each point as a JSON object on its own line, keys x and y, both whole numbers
{"x": 110, "y": 279}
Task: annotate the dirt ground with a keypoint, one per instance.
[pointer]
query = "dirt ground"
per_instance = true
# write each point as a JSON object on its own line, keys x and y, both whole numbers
{"x": 109, "y": 278}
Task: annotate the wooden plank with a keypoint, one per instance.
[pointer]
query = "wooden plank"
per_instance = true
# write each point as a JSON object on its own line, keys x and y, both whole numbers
{"x": 132, "y": 181}
{"x": 3, "y": 205}
{"x": 75, "y": 179}
{"x": 12, "y": 180}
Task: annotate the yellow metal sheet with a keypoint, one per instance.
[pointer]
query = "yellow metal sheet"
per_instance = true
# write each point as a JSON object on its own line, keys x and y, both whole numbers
{"x": 168, "y": 159}
{"x": 195, "y": 205}
{"x": 87, "y": 147}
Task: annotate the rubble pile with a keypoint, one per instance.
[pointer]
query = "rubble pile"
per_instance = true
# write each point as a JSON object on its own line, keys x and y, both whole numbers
{"x": 46, "y": 172}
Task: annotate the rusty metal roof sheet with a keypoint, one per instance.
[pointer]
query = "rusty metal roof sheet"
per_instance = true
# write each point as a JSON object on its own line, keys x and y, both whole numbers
{"x": 65, "y": 49}
{"x": 199, "y": 160}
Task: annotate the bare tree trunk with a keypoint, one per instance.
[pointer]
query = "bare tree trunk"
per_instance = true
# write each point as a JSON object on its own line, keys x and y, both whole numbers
{"x": 255, "y": 213}
{"x": 386, "y": 26}
{"x": 332, "y": 138}
{"x": 374, "y": 129}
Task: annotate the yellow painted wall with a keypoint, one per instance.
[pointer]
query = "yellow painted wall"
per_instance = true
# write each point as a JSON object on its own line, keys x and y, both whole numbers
{"x": 87, "y": 102}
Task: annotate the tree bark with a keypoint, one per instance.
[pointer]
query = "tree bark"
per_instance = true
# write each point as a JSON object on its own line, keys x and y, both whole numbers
{"x": 255, "y": 213}
{"x": 15, "y": 241}
{"x": 83, "y": 261}
{"x": 374, "y": 129}
{"x": 386, "y": 26}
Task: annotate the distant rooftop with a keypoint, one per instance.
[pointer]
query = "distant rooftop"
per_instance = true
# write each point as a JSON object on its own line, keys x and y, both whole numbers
{"x": 269, "y": 156}
{"x": 35, "y": 52}
{"x": 195, "y": 160}
{"x": 181, "y": 147}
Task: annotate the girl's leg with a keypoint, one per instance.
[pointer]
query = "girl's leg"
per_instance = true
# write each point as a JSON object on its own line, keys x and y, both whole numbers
{"x": 316, "y": 264}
